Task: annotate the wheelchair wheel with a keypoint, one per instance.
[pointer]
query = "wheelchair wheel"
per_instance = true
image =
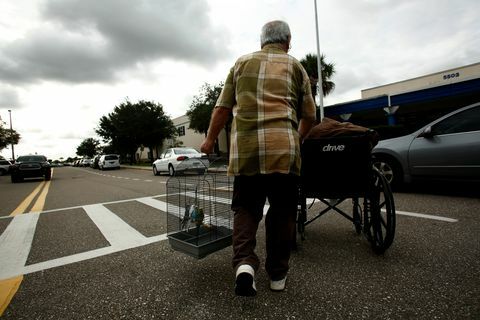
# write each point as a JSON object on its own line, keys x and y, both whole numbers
{"x": 379, "y": 224}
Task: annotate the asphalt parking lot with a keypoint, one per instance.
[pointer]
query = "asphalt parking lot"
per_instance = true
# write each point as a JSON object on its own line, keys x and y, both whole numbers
{"x": 430, "y": 271}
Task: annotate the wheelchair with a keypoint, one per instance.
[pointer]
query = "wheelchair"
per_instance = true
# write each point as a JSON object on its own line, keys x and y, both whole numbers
{"x": 335, "y": 169}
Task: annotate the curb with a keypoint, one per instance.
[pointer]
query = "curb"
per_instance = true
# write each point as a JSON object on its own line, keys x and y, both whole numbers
{"x": 136, "y": 167}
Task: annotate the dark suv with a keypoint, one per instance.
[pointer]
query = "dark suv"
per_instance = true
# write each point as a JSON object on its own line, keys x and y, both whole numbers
{"x": 30, "y": 167}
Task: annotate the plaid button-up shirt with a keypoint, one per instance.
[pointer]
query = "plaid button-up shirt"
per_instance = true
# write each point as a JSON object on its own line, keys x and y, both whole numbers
{"x": 268, "y": 91}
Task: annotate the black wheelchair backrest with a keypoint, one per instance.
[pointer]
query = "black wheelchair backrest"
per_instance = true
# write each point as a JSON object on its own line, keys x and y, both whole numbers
{"x": 336, "y": 167}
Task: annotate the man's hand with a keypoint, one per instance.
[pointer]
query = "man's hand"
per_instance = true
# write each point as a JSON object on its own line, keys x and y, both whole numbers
{"x": 207, "y": 146}
{"x": 218, "y": 121}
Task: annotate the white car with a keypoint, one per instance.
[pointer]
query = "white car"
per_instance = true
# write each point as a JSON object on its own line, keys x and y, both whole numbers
{"x": 4, "y": 167}
{"x": 180, "y": 160}
{"x": 85, "y": 162}
{"x": 109, "y": 161}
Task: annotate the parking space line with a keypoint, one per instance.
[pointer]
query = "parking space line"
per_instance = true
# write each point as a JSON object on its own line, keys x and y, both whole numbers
{"x": 113, "y": 228}
{"x": 424, "y": 216}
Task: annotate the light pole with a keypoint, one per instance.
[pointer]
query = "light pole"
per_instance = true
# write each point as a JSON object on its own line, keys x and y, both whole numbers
{"x": 11, "y": 133}
{"x": 319, "y": 65}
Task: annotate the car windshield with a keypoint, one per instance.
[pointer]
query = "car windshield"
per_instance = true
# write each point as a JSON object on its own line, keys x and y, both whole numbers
{"x": 185, "y": 151}
{"x": 31, "y": 158}
{"x": 111, "y": 157}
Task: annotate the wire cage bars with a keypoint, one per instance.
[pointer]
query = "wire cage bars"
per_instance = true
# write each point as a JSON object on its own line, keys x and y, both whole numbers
{"x": 199, "y": 218}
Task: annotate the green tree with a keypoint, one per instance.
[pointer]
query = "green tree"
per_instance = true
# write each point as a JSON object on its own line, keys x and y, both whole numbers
{"x": 328, "y": 70}
{"x": 7, "y": 136}
{"x": 201, "y": 108}
{"x": 88, "y": 147}
{"x": 132, "y": 125}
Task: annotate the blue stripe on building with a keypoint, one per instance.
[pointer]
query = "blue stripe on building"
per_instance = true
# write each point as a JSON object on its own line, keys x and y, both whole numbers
{"x": 419, "y": 96}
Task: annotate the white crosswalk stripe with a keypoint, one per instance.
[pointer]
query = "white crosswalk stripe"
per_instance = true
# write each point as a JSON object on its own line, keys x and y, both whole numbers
{"x": 114, "y": 229}
{"x": 15, "y": 244}
{"x": 16, "y": 240}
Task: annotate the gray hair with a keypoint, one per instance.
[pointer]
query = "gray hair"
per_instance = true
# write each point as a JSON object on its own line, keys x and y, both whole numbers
{"x": 275, "y": 32}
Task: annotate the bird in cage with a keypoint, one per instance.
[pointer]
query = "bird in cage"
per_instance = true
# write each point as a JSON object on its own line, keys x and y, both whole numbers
{"x": 192, "y": 214}
{"x": 197, "y": 216}
{"x": 185, "y": 221}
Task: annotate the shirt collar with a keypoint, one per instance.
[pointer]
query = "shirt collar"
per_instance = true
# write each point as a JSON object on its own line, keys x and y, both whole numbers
{"x": 273, "y": 47}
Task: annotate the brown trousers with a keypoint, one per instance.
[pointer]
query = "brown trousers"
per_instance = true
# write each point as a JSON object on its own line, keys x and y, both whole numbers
{"x": 249, "y": 195}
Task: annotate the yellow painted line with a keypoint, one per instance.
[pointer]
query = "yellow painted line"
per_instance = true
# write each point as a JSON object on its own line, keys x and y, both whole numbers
{"x": 25, "y": 203}
{"x": 8, "y": 288}
{"x": 40, "y": 203}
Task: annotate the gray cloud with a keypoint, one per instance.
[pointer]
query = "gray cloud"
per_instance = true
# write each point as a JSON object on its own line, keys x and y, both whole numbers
{"x": 92, "y": 41}
{"x": 9, "y": 98}
{"x": 376, "y": 42}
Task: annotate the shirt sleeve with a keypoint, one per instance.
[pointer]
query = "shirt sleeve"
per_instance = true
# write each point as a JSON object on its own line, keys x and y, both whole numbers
{"x": 227, "y": 96}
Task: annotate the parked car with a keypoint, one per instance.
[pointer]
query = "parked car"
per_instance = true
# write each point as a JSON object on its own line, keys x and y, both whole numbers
{"x": 4, "y": 166}
{"x": 94, "y": 163}
{"x": 109, "y": 161}
{"x": 30, "y": 166}
{"x": 179, "y": 160}
{"x": 445, "y": 149}
{"x": 85, "y": 162}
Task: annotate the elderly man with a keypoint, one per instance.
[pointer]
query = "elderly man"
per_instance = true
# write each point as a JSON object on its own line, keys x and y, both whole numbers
{"x": 269, "y": 94}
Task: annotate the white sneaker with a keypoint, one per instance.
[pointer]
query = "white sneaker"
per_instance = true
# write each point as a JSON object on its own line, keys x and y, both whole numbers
{"x": 245, "y": 281}
{"x": 278, "y": 285}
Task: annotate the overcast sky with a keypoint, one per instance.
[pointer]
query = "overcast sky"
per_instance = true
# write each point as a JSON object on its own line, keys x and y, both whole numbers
{"x": 66, "y": 63}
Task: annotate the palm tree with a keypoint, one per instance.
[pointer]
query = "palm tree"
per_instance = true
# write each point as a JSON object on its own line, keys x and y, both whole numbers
{"x": 328, "y": 70}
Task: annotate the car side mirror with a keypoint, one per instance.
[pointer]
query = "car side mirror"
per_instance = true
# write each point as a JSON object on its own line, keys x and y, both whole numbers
{"x": 427, "y": 133}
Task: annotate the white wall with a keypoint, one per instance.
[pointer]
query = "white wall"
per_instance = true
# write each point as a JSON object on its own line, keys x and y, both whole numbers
{"x": 432, "y": 80}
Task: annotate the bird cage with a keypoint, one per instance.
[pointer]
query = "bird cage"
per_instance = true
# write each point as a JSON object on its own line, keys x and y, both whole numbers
{"x": 199, "y": 217}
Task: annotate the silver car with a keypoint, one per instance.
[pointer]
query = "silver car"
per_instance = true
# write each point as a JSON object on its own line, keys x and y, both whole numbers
{"x": 445, "y": 149}
{"x": 180, "y": 160}
{"x": 4, "y": 166}
{"x": 109, "y": 161}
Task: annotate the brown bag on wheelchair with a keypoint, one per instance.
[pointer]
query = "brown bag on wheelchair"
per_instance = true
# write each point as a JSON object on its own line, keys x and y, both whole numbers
{"x": 332, "y": 128}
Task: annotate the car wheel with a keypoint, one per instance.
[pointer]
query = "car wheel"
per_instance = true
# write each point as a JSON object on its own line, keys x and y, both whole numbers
{"x": 155, "y": 171}
{"x": 48, "y": 176}
{"x": 171, "y": 171}
{"x": 390, "y": 169}
{"x": 3, "y": 172}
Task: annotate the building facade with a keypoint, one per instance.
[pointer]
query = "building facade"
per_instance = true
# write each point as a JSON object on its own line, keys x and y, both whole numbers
{"x": 437, "y": 79}
{"x": 409, "y": 104}
{"x": 405, "y": 105}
